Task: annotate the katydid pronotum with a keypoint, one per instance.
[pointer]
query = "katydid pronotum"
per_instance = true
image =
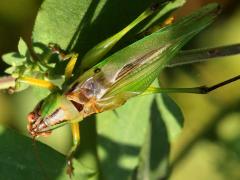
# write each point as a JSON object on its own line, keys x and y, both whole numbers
{"x": 107, "y": 84}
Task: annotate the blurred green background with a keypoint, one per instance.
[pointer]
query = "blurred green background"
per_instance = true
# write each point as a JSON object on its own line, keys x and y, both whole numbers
{"x": 209, "y": 146}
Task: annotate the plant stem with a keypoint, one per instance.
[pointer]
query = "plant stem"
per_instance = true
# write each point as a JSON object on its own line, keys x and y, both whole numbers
{"x": 204, "y": 54}
{"x": 7, "y": 82}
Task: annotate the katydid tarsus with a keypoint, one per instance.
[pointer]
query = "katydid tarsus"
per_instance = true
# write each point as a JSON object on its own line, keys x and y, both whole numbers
{"x": 109, "y": 83}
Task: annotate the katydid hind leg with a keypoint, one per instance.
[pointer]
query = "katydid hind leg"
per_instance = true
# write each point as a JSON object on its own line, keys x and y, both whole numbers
{"x": 157, "y": 27}
{"x": 193, "y": 90}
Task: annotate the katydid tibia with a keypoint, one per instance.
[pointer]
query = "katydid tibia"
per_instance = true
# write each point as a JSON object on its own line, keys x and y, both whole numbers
{"x": 129, "y": 72}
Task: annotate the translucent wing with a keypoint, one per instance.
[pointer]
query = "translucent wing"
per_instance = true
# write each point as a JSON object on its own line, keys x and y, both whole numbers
{"x": 135, "y": 67}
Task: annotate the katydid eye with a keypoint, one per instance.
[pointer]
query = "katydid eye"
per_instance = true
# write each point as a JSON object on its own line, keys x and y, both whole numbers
{"x": 35, "y": 114}
{"x": 31, "y": 117}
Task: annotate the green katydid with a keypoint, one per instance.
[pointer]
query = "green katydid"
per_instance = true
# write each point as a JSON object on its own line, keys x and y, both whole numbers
{"x": 125, "y": 74}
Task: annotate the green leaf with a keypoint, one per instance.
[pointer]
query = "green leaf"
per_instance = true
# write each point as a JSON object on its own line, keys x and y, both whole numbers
{"x": 10, "y": 70}
{"x": 87, "y": 152}
{"x": 154, "y": 156}
{"x": 22, "y": 158}
{"x": 13, "y": 59}
{"x": 22, "y": 47}
{"x": 120, "y": 136}
{"x": 59, "y": 26}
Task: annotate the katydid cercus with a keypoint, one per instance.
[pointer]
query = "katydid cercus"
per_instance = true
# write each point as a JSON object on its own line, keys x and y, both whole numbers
{"x": 109, "y": 83}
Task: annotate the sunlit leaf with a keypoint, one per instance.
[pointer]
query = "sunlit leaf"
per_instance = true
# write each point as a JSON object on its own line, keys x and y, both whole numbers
{"x": 13, "y": 59}
{"x": 166, "y": 118}
{"x": 80, "y": 25}
{"x": 120, "y": 136}
{"x": 22, "y": 47}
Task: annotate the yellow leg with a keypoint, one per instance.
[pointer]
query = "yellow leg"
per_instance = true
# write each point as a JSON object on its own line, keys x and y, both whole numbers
{"x": 74, "y": 126}
{"x": 168, "y": 21}
{"x": 72, "y": 57}
{"x": 76, "y": 142}
{"x": 37, "y": 82}
{"x": 70, "y": 66}
{"x": 75, "y": 133}
{"x": 47, "y": 84}
{"x": 157, "y": 27}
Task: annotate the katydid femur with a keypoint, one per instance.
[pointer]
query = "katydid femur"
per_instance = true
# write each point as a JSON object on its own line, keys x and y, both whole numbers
{"x": 109, "y": 83}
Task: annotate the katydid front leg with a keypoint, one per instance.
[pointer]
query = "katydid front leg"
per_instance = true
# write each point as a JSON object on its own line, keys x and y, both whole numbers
{"x": 62, "y": 55}
{"x": 47, "y": 84}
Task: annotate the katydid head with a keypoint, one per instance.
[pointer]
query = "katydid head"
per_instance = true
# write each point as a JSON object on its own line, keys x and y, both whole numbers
{"x": 49, "y": 113}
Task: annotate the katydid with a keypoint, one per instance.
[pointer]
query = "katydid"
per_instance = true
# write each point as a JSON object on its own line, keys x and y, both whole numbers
{"x": 110, "y": 83}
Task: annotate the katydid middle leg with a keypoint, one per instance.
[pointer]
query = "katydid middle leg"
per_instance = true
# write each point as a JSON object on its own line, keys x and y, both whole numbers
{"x": 76, "y": 142}
{"x": 74, "y": 125}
